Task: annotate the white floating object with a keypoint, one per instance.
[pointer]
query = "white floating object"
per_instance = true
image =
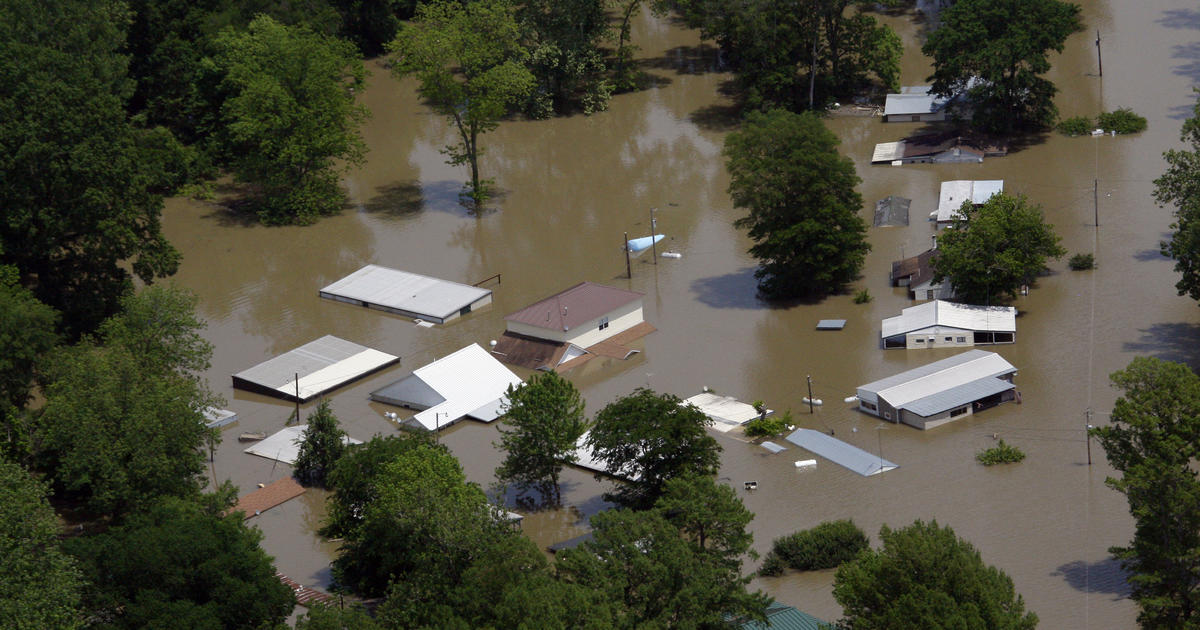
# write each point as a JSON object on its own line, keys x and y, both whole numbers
{"x": 815, "y": 401}
{"x": 1097, "y": 132}
{"x": 672, "y": 255}
{"x": 422, "y": 323}
{"x": 492, "y": 343}
{"x": 850, "y": 399}
{"x": 806, "y": 463}
{"x": 638, "y": 244}
{"x": 751, "y": 485}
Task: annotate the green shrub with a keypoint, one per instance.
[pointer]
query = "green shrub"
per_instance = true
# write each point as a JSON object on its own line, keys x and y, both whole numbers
{"x": 1123, "y": 120}
{"x": 772, "y": 564}
{"x": 1000, "y": 454}
{"x": 1082, "y": 262}
{"x": 769, "y": 427}
{"x": 823, "y": 547}
{"x": 1075, "y": 126}
{"x": 862, "y": 297}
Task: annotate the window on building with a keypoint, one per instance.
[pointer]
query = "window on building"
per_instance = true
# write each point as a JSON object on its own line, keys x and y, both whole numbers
{"x": 867, "y": 405}
{"x": 603, "y": 323}
{"x": 954, "y": 413}
{"x": 949, "y": 339}
{"x": 920, "y": 340}
{"x": 961, "y": 340}
{"x": 887, "y": 415}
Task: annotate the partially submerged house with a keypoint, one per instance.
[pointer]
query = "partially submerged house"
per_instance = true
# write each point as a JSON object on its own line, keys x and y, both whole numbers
{"x": 915, "y": 103}
{"x": 916, "y": 273}
{"x": 284, "y": 445}
{"x": 892, "y": 211}
{"x": 408, "y": 294}
{"x": 936, "y": 148}
{"x": 954, "y": 194}
{"x": 313, "y": 369}
{"x": 571, "y": 326}
{"x": 941, "y": 324}
{"x": 942, "y": 391}
{"x": 469, "y": 383}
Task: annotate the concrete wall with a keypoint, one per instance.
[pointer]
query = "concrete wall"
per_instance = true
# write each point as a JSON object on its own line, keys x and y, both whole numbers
{"x": 589, "y": 333}
{"x": 939, "y": 337}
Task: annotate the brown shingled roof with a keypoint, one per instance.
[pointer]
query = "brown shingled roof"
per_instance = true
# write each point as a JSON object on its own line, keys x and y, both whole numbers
{"x": 578, "y": 305}
{"x": 917, "y": 268}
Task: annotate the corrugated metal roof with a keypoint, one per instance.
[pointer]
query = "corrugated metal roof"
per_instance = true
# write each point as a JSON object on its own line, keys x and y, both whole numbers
{"x": 585, "y": 458}
{"x": 783, "y": 617}
{"x": 471, "y": 382}
{"x": 723, "y": 410}
{"x": 840, "y": 453}
{"x": 888, "y": 152}
{"x": 284, "y": 445}
{"x": 913, "y": 99}
{"x": 954, "y": 193}
{"x": 404, "y": 291}
{"x": 577, "y": 305}
{"x": 952, "y": 315}
{"x": 939, "y": 376}
{"x": 323, "y": 365}
{"x": 964, "y": 394}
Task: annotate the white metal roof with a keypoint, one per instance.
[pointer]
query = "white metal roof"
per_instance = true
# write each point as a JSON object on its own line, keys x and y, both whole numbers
{"x": 726, "y": 411}
{"x": 934, "y": 378}
{"x": 951, "y": 315}
{"x": 913, "y": 99}
{"x": 215, "y": 417}
{"x": 284, "y": 445}
{"x": 954, "y": 193}
{"x": 471, "y": 382}
{"x": 586, "y": 459}
{"x": 405, "y": 291}
{"x": 323, "y": 365}
{"x": 840, "y": 453}
{"x": 888, "y": 152}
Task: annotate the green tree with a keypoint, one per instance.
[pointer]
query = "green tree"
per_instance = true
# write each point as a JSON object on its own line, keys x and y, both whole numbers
{"x": 159, "y": 327}
{"x": 79, "y": 214}
{"x": 321, "y": 446}
{"x": 1179, "y": 187}
{"x": 41, "y": 586}
{"x": 469, "y": 61}
{"x": 709, "y": 514}
{"x": 354, "y": 477}
{"x": 27, "y": 333}
{"x": 650, "y": 439}
{"x": 178, "y": 565}
{"x": 564, "y": 39}
{"x": 372, "y": 24}
{"x": 545, "y": 416}
{"x": 320, "y": 617}
{"x": 1153, "y": 440}
{"x": 995, "y": 50}
{"x": 927, "y": 577}
{"x": 803, "y": 210}
{"x": 993, "y": 249}
{"x": 291, "y": 118}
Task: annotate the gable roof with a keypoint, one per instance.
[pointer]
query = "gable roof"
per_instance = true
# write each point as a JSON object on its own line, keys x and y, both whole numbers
{"x": 914, "y": 99}
{"x": 917, "y": 268}
{"x": 577, "y": 305}
{"x": 932, "y": 379}
{"x": 949, "y": 314}
{"x": 953, "y": 193}
{"x": 469, "y": 382}
{"x": 784, "y": 617}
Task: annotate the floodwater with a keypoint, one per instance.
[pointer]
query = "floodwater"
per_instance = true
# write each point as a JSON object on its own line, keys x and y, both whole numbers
{"x": 573, "y": 186}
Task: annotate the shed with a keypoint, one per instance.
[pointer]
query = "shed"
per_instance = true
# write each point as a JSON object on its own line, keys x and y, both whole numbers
{"x": 916, "y": 273}
{"x": 284, "y": 445}
{"x": 955, "y": 193}
{"x": 845, "y": 455}
{"x": 783, "y": 617}
{"x": 408, "y": 294}
{"x": 942, "y": 391}
{"x": 937, "y": 148}
{"x": 468, "y": 383}
{"x": 584, "y": 315}
{"x": 892, "y": 211}
{"x": 941, "y": 324}
{"x": 915, "y": 103}
{"x": 214, "y": 417}
{"x": 322, "y": 366}
{"x": 726, "y": 412}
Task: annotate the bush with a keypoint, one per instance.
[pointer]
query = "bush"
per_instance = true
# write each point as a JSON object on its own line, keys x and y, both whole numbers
{"x": 862, "y": 297}
{"x": 772, "y": 564}
{"x": 823, "y": 547}
{"x": 1075, "y": 126}
{"x": 1123, "y": 120}
{"x": 1082, "y": 262}
{"x": 769, "y": 427}
{"x": 1000, "y": 454}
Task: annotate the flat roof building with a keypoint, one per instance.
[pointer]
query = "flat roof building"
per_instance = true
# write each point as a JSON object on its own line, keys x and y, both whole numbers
{"x": 942, "y": 391}
{"x": 941, "y": 324}
{"x": 321, "y": 365}
{"x": 408, "y": 294}
{"x": 954, "y": 194}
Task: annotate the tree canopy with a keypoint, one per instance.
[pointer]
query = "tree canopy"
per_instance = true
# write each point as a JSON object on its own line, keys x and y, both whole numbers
{"x": 991, "y": 250}
{"x": 354, "y": 478}
{"x": 545, "y": 419}
{"x": 27, "y": 333}
{"x": 925, "y": 576}
{"x": 995, "y": 52}
{"x": 650, "y": 439}
{"x": 564, "y": 39}
{"x": 42, "y": 586}
{"x": 291, "y": 118}
{"x": 470, "y": 64}
{"x": 1179, "y": 186}
{"x": 1153, "y": 440}
{"x": 321, "y": 446}
{"x": 803, "y": 209}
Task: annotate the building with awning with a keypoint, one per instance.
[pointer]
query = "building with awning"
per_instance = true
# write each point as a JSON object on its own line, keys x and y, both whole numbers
{"x": 940, "y": 392}
{"x": 942, "y": 324}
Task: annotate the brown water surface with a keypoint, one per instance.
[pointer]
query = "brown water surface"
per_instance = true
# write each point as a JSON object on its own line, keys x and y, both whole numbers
{"x": 573, "y": 186}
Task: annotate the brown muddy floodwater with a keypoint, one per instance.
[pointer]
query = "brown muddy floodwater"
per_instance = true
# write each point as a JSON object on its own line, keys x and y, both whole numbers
{"x": 572, "y": 186}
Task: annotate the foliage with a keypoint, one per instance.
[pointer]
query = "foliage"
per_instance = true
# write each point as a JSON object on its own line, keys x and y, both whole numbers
{"x": 1179, "y": 186}
{"x": 27, "y": 333}
{"x": 470, "y": 64}
{"x": 825, "y": 546}
{"x": 79, "y": 214}
{"x": 178, "y": 565}
{"x": 1076, "y": 126}
{"x": 995, "y": 51}
{"x": 1153, "y": 440}
{"x": 651, "y": 439}
{"x": 709, "y": 514}
{"x": 291, "y": 118}
{"x": 354, "y": 476}
{"x": 1122, "y": 121}
{"x": 320, "y": 617}
{"x": 769, "y": 426}
{"x": 993, "y": 249}
{"x": 564, "y": 39}
{"x": 927, "y": 577}
{"x": 803, "y": 208}
{"x": 41, "y": 586}
{"x": 863, "y": 296}
{"x": 417, "y": 537}
{"x": 1082, "y": 262}
{"x": 1002, "y": 453}
{"x": 372, "y": 24}
{"x": 545, "y": 416}
{"x": 159, "y": 326}
{"x": 321, "y": 446}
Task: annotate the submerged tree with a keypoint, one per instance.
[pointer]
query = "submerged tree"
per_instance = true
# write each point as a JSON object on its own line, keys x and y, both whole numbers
{"x": 545, "y": 416}
{"x": 1179, "y": 186}
{"x": 469, "y": 61}
{"x": 321, "y": 446}
{"x": 803, "y": 210}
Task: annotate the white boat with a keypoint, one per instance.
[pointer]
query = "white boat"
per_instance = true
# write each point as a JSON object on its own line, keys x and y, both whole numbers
{"x": 638, "y": 244}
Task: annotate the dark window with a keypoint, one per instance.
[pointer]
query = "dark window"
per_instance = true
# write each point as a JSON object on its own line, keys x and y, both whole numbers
{"x": 961, "y": 340}
{"x": 954, "y": 413}
{"x": 603, "y": 323}
{"x": 949, "y": 339}
{"x": 920, "y": 340}
{"x": 867, "y": 405}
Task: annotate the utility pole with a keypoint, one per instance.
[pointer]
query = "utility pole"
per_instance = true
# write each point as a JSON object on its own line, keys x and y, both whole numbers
{"x": 625, "y": 246}
{"x": 1099, "y": 58}
{"x": 810, "y": 398}
{"x": 1088, "y": 435}
{"x": 1096, "y": 200}
{"x": 653, "y": 245}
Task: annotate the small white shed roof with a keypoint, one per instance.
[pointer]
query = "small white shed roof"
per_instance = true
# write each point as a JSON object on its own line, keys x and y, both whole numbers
{"x": 888, "y": 152}
{"x": 906, "y": 388}
{"x": 951, "y": 315}
{"x": 469, "y": 382}
{"x": 954, "y": 193}
{"x": 323, "y": 365}
{"x": 913, "y": 99}
{"x": 404, "y": 292}
{"x": 726, "y": 412}
{"x": 284, "y": 445}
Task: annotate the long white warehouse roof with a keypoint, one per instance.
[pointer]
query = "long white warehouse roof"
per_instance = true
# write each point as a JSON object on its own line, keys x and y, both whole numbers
{"x": 903, "y": 389}
{"x": 951, "y": 315}
{"x": 405, "y": 293}
{"x": 322, "y": 365}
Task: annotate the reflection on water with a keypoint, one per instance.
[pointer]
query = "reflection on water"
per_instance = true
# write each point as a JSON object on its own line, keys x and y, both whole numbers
{"x": 573, "y": 186}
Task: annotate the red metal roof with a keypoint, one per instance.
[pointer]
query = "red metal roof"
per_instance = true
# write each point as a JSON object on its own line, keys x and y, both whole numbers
{"x": 578, "y": 305}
